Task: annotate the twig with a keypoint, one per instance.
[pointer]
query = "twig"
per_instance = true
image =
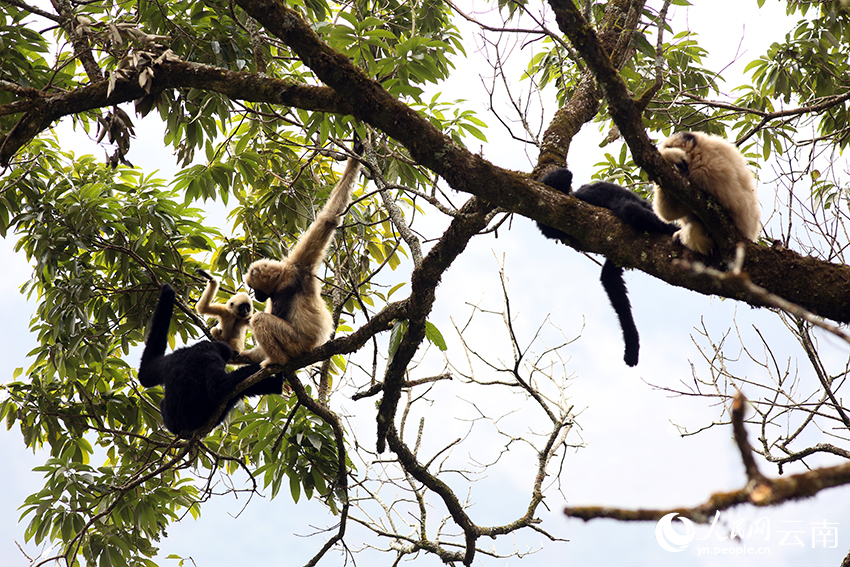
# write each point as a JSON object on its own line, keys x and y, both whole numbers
{"x": 736, "y": 276}
{"x": 759, "y": 489}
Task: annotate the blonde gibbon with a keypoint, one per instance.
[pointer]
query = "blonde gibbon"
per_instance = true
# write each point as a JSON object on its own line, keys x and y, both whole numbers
{"x": 713, "y": 165}
{"x": 298, "y": 319}
{"x": 233, "y": 316}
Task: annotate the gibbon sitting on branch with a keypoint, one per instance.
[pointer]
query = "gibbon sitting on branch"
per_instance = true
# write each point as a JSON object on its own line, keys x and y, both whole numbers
{"x": 713, "y": 165}
{"x": 195, "y": 378}
{"x": 298, "y": 320}
{"x": 632, "y": 210}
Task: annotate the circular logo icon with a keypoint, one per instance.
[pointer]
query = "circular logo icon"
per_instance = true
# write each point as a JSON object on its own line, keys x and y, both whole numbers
{"x": 668, "y": 538}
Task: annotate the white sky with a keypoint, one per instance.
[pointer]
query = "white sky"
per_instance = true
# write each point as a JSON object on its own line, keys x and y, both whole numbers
{"x": 634, "y": 455}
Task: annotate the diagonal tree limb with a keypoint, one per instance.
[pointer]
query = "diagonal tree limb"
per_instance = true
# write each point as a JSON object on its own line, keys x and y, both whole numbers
{"x": 759, "y": 490}
{"x": 423, "y": 284}
{"x": 411, "y": 464}
{"x": 627, "y": 114}
{"x": 42, "y": 109}
{"x": 617, "y": 29}
{"x": 341, "y": 482}
{"x": 782, "y": 272}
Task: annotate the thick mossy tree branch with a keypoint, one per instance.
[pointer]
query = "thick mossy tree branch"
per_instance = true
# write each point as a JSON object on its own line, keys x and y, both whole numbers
{"x": 423, "y": 285}
{"x": 617, "y": 29}
{"x": 373, "y": 104}
{"x": 818, "y": 286}
{"x": 40, "y": 109}
{"x": 784, "y": 273}
{"x": 627, "y": 114}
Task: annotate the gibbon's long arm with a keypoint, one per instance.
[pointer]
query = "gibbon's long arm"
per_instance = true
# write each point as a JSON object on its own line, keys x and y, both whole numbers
{"x": 157, "y": 338}
{"x": 311, "y": 248}
{"x": 205, "y": 306}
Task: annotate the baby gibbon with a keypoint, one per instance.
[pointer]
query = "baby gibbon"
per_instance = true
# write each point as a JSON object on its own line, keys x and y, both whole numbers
{"x": 713, "y": 165}
{"x": 632, "y": 210}
{"x": 233, "y": 316}
{"x": 298, "y": 320}
{"x": 194, "y": 377}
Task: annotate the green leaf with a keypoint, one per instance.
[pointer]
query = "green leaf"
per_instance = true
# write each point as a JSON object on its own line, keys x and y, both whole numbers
{"x": 396, "y": 335}
{"x": 434, "y": 336}
{"x": 294, "y": 487}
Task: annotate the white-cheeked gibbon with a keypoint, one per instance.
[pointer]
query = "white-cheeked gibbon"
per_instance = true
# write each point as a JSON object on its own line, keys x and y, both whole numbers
{"x": 195, "y": 377}
{"x": 713, "y": 165}
{"x": 297, "y": 321}
{"x": 233, "y": 316}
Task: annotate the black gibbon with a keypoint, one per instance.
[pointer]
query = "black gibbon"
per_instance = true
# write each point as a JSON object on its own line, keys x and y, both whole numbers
{"x": 713, "y": 165}
{"x": 632, "y": 210}
{"x": 298, "y": 319}
{"x": 233, "y": 316}
{"x": 194, "y": 377}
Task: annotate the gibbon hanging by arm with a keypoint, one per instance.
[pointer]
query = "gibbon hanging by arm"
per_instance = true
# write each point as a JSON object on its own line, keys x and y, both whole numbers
{"x": 194, "y": 377}
{"x": 632, "y": 210}
{"x": 233, "y": 316}
{"x": 713, "y": 165}
{"x": 298, "y": 320}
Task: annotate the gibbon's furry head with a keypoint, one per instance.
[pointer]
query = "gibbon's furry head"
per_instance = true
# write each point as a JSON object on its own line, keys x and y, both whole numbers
{"x": 711, "y": 164}
{"x": 560, "y": 179}
{"x": 233, "y": 316}
{"x": 266, "y": 276}
{"x": 241, "y": 306}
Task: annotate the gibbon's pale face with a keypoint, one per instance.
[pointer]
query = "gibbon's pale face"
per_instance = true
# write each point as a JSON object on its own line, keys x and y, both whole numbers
{"x": 240, "y": 306}
{"x": 714, "y": 165}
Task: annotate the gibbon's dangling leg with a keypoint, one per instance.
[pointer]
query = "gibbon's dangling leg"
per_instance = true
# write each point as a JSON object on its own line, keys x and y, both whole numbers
{"x": 233, "y": 316}
{"x": 615, "y": 287}
{"x": 632, "y": 210}
{"x": 195, "y": 378}
{"x": 713, "y": 165}
{"x": 299, "y": 320}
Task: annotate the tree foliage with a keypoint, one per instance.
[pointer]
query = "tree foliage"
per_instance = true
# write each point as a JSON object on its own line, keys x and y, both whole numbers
{"x": 259, "y": 101}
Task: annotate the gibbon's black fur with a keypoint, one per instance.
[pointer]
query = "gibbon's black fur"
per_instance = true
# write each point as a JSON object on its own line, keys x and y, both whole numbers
{"x": 632, "y": 210}
{"x": 233, "y": 316}
{"x": 194, "y": 377}
{"x": 298, "y": 319}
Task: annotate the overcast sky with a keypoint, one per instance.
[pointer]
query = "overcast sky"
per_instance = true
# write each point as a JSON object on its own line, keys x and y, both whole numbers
{"x": 634, "y": 455}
